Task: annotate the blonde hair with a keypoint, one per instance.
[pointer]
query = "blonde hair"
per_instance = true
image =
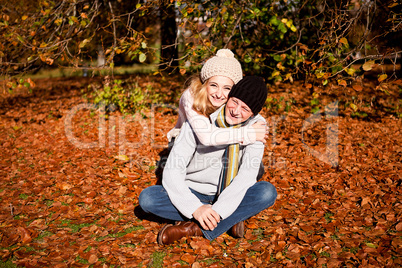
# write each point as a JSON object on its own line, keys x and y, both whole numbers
{"x": 201, "y": 104}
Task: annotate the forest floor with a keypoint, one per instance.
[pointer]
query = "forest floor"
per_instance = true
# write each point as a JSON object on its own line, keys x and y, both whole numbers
{"x": 70, "y": 178}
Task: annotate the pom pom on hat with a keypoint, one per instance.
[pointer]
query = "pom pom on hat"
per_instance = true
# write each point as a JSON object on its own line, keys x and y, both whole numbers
{"x": 225, "y": 53}
{"x": 224, "y": 64}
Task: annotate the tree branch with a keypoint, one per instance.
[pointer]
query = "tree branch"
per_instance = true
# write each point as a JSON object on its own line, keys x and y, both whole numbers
{"x": 114, "y": 34}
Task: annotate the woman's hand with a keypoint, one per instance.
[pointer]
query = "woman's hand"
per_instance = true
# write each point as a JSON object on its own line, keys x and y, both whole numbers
{"x": 207, "y": 217}
{"x": 261, "y": 131}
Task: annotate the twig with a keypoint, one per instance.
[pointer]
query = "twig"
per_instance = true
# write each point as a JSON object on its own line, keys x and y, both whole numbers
{"x": 365, "y": 58}
{"x": 292, "y": 46}
{"x": 234, "y": 28}
{"x": 114, "y": 34}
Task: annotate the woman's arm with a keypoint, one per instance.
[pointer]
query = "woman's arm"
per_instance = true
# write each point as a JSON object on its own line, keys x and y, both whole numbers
{"x": 174, "y": 132}
{"x": 211, "y": 135}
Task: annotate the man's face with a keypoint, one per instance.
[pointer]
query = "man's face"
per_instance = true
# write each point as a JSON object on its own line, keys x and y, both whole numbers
{"x": 237, "y": 111}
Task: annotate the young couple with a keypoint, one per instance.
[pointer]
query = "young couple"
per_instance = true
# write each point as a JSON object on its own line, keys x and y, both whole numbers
{"x": 209, "y": 183}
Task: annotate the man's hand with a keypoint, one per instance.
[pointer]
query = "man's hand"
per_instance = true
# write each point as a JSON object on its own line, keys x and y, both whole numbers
{"x": 207, "y": 217}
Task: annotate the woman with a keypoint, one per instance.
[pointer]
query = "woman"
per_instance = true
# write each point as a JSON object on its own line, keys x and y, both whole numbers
{"x": 205, "y": 94}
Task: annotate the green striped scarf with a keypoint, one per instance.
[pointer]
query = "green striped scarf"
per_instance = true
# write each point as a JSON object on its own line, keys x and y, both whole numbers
{"x": 230, "y": 157}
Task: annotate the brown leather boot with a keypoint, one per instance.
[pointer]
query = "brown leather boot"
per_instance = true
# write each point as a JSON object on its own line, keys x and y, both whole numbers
{"x": 237, "y": 230}
{"x": 170, "y": 233}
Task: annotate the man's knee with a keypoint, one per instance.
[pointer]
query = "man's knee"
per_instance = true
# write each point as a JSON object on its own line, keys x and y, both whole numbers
{"x": 145, "y": 199}
{"x": 268, "y": 193}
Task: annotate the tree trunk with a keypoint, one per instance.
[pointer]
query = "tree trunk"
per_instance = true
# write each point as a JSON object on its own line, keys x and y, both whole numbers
{"x": 169, "y": 54}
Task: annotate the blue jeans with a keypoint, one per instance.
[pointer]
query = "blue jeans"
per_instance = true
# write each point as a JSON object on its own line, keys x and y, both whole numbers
{"x": 260, "y": 196}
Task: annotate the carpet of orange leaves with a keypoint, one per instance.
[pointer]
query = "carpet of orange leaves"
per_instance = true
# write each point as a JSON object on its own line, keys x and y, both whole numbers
{"x": 63, "y": 205}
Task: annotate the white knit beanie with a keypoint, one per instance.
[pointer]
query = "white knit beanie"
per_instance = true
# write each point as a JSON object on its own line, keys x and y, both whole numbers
{"x": 224, "y": 64}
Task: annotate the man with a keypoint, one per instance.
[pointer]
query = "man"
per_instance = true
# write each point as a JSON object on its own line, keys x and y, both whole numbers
{"x": 213, "y": 189}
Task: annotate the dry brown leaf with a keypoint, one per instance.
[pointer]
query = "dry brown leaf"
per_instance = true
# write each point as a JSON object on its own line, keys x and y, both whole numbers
{"x": 357, "y": 87}
{"x": 398, "y": 227}
{"x": 93, "y": 259}
{"x": 187, "y": 257}
{"x": 25, "y": 235}
{"x": 196, "y": 265}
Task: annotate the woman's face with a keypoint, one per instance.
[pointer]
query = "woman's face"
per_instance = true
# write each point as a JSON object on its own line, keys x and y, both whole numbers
{"x": 218, "y": 88}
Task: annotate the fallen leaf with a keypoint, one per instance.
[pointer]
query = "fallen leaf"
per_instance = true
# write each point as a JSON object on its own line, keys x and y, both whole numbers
{"x": 122, "y": 157}
{"x": 24, "y": 234}
{"x": 398, "y": 227}
{"x": 92, "y": 259}
{"x": 187, "y": 257}
{"x": 196, "y": 265}
{"x": 342, "y": 83}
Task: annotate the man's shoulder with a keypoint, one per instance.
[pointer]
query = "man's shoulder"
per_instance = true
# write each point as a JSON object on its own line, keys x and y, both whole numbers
{"x": 214, "y": 115}
{"x": 186, "y": 132}
{"x": 256, "y": 118}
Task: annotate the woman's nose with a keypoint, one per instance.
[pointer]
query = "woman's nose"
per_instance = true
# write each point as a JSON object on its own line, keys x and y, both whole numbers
{"x": 219, "y": 93}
